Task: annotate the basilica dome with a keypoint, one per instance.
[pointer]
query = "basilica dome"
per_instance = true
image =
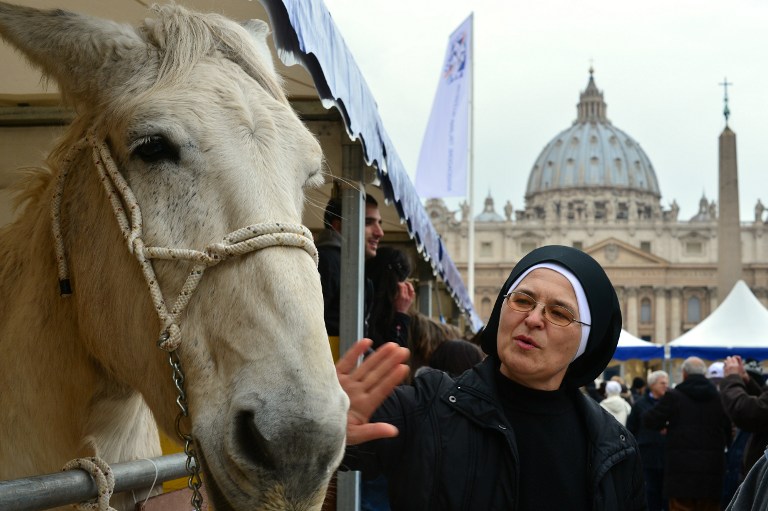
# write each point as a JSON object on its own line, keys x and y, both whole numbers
{"x": 591, "y": 155}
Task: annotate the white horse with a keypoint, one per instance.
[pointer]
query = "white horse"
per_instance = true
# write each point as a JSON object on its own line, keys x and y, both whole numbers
{"x": 186, "y": 115}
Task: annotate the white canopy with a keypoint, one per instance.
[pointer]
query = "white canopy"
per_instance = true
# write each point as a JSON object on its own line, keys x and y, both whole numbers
{"x": 631, "y": 347}
{"x": 739, "y": 326}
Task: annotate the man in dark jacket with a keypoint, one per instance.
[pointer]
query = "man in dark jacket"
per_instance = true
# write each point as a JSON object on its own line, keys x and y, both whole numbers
{"x": 651, "y": 441}
{"x": 745, "y": 399}
{"x": 328, "y": 244}
{"x": 698, "y": 431}
{"x": 515, "y": 432}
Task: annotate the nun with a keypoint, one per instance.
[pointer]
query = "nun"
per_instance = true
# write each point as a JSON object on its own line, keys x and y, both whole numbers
{"x": 514, "y": 432}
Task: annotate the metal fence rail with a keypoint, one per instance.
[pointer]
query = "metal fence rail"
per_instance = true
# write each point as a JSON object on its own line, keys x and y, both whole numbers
{"x": 73, "y": 486}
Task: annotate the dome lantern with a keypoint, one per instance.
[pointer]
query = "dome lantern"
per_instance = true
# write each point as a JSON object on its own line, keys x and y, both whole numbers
{"x": 591, "y": 107}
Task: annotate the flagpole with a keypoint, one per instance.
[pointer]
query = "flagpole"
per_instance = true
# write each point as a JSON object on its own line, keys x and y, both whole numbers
{"x": 470, "y": 165}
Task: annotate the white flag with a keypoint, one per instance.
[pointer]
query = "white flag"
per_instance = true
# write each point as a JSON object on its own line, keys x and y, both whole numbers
{"x": 443, "y": 159}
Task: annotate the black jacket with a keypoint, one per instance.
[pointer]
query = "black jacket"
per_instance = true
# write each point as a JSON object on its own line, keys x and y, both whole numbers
{"x": 651, "y": 441}
{"x": 329, "y": 266}
{"x": 456, "y": 449}
{"x": 698, "y": 430}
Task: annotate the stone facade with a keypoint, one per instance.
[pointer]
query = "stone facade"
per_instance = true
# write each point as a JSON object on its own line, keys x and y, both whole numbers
{"x": 593, "y": 188}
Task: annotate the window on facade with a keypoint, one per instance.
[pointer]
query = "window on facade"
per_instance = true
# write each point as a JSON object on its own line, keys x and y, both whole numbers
{"x": 578, "y": 245}
{"x": 527, "y": 246}
{"x": 645, "y": 310}
{"x": 486, "y": 249}
{"x": 693, "y": 247}
{"x": 645, "y": 246}
{"x": 694, "y": 309}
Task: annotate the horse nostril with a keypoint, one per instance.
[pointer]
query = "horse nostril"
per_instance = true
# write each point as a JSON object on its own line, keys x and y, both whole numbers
{"x": 254, "y": 446}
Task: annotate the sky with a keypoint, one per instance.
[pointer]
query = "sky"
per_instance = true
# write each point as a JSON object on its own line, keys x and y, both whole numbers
{"x": 659, "y": 64}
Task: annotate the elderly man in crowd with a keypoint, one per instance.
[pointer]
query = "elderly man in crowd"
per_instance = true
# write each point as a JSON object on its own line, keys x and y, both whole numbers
{"x": 651, "y": 441}
{"x": 698, "y": 430}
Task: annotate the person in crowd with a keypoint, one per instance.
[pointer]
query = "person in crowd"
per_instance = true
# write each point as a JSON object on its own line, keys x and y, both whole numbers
{"x": 745, "y": 399}
{"x": 625, "y": 393}
{"x": 651, "y": 441}
{"x": 393, "y": 295}
{"x": 698, "y": 431}
{"x": 637, "y": 389}
{"x": 590, "y": 389}
{"x": 328, "y": 242}
{"x": 715, "y": 372}
{"x": 454, "y": 356}
{"x": 615, "y": 403}
{"x": 424, "y": 336}
{"x": 514, "y": 432}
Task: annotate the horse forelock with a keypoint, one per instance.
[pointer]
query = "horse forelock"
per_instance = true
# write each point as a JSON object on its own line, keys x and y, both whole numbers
{"x": 182, "y": 38}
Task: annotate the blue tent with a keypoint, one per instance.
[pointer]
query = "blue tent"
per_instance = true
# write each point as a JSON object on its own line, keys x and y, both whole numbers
{"x": 632, "y": 348}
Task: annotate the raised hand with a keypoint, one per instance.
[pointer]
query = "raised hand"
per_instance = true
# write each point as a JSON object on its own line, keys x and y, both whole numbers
{"x": 368, "y": 385}
{"x": 405, "y": 296}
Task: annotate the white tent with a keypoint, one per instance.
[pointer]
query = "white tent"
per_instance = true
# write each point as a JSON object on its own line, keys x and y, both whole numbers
{"x": 631, "y": 347}
{"x": 739, "y": 326}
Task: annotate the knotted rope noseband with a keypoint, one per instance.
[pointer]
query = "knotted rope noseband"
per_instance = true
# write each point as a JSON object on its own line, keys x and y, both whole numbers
{"x": 242, "y": 241}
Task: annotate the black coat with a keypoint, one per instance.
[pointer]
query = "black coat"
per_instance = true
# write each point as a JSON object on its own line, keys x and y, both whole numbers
{"x": 651, "y": 441}
{"x": 456, "y": 449}
{"x": 329, "y": 266}
{"x": 698, "y": 430}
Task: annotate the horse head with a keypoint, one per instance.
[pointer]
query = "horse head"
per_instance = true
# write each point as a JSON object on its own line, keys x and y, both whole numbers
{"x": 188, "y": 112}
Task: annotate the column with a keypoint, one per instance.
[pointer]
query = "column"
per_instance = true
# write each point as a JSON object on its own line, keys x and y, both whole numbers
{"x": 675, "y": 327}
{"x": 631, "y": 319}
{"x": 660, "y": 333}
{"x": 712, "y": 300}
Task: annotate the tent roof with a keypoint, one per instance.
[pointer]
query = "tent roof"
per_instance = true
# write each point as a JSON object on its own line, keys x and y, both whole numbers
{"x": 739, "y": 326}
{"x": 630, "y": 347}
{"x": 304, "y": 32}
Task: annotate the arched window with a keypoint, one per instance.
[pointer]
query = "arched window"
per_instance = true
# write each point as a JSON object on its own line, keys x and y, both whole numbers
{"x": 694, "y": 309}
{"x": 645, "y": 310}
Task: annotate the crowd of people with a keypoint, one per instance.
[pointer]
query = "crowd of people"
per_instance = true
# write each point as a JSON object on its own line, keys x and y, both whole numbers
{"x": 514, "y": 420}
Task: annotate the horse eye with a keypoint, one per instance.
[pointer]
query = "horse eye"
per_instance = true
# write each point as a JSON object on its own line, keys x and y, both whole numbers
{"x": 156, "y": 148}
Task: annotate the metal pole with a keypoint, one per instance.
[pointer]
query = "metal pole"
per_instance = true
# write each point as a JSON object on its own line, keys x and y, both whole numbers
{"x": 426, "y": 282}
{"x": 73, "y": 486}
{"x": 352, "y": 288}
{"x": 471, "y": 165}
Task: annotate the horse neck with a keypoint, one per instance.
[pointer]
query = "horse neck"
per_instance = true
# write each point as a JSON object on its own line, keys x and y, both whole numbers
{"x": 61, "y": 394}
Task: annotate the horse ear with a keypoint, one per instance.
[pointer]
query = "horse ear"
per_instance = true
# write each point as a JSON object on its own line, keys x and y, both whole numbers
{"x": 71, "y": 48}
{"x": 259, "y": 30}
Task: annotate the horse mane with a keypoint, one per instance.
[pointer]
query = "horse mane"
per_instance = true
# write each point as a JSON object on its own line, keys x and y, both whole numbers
{"x": 183, "y": 38}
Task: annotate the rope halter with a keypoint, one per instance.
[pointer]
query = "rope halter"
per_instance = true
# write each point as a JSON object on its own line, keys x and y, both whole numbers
{"x": 128, "y": 215}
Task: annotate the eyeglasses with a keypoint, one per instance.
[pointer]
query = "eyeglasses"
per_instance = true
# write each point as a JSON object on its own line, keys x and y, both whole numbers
{"x": 555, "y": 314}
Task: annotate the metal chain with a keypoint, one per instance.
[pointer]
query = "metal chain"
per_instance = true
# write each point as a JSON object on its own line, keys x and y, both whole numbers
{"x": 193, "y": 465}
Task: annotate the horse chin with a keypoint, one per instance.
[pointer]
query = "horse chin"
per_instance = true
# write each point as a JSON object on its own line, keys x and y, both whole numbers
{"x": 226, "y": 495}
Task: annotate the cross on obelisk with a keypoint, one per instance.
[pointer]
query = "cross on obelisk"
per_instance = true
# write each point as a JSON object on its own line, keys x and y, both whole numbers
{"x": 726, "y": 111}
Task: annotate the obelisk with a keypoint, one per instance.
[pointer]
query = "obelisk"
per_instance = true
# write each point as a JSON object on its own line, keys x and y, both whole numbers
{"x": 728, "y": 229}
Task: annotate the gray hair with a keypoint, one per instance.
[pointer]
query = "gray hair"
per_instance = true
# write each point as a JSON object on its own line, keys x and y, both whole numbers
{"x": 694, "y": 365}
{"x": 654, "y": 376}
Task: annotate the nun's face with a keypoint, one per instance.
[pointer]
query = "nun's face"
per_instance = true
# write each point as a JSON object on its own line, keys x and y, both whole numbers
{"x": 534, "y": 352}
